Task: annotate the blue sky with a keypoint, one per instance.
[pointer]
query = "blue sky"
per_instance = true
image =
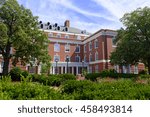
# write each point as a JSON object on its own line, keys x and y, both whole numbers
{"x": 90, "y": 15}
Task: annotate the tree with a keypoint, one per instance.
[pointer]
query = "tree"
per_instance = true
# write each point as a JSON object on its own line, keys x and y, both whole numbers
{"x": 19, "y": 30}
{"x": 133, "y": 42}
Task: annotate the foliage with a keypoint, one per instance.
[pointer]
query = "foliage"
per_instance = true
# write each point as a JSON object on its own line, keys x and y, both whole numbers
{"x": 15, "y": 73}
{"x": 122, "y": 89}
{"x": 143, "y": 72}
{"x": 19, "y": 30}
{"x": 109, "y": 73}
{"x": 133, "y": 42}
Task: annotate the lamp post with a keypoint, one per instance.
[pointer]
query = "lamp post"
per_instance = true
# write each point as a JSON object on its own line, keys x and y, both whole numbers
{"x": 56, "y": 60}
{"x": 67, "y": 60}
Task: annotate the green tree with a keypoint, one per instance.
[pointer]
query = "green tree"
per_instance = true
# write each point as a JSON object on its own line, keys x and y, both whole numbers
{"x": 19, "y": 30}
{"x": 133, "y": 42}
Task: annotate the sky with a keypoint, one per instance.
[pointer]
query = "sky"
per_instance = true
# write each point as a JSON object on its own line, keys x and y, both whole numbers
{"x": 90, "y": 15}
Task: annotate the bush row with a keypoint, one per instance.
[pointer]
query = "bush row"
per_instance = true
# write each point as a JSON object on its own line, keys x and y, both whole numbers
{"x": 113, "y": 74}
{"x": 53, "y": 80}
{"x": 122, "y": 89}
{"x": 116, "y": 90}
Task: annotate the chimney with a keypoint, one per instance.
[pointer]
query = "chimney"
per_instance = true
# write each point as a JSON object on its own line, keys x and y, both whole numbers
{"x": 67, "y": 23}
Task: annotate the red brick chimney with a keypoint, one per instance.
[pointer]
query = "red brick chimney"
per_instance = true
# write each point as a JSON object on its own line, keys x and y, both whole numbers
{"x": 67, "y": 23}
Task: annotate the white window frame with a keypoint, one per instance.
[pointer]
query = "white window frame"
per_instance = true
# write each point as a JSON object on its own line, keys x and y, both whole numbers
{"x": 67, "y": 46}
{"x": 90, "y": 46}
{"x": 96, "y": 43}
{"x": 90, "y": 57}
{"x": 78, "y": 58}
{"x": 79, "y": 49}
{"x": 56, "y": 49}
{"x": 96, "y": 56}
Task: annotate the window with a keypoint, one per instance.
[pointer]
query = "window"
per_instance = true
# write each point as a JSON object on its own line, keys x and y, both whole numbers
{"x": 58, "y": 36}
{"x": 96, "y": 68}
{"x": 67, "y": 48}
{"x": 85, "y": 48}
{"x": 56, "y": 47}
{"x": 85, "y": 59}
{"x": 90, "y": 46}
{"x": 50, "y": 35}
{"x": 77, "y": 59}
{"x": 67, "y": 36}
{"x": 56, "y": 57}
{"x": 136, "y": 69}
{"x": 90, "y": 69}
{"x": 78, "y": 37}
{"x": 77, "y": 49}
{"x": 90, "y": 57}
{"x": 96, "y": 43}
{"x": 96, "y": 56}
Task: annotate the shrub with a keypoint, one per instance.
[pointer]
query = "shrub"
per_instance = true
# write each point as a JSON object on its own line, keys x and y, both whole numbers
{"x": 54, "y": 81}
{"x": 15, "y": 73}
{"x": 143, "y": 72}
{"x": 25, "y": 73}
{"x": 92, "y": 76}
{"x": 71, "y": 86}
{"x": 65, "y": 77}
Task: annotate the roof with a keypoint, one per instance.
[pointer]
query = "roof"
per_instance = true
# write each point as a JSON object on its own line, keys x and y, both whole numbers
{"x": 56, "y": 27}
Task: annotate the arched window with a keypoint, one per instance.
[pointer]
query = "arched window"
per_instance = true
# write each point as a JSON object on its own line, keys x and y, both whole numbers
{"x": 56, "y": 47}
{"x": 96, "y": 56}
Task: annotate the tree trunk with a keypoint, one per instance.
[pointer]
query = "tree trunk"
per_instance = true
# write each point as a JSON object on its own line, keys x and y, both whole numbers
{"x": 6, "y": 66}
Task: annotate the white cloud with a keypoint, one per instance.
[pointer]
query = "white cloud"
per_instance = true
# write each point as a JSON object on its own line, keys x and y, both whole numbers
{"x": 119, "y": 8}
{"x": 68, "y": 4}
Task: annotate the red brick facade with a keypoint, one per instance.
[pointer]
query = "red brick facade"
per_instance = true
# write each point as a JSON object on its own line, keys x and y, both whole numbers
{"x": 85, "y": 51}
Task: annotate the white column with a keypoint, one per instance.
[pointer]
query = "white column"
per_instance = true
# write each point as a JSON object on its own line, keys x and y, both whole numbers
{"x": 62, "y": 70}
{"x": 72, "y": 70}
{"x": 53, "y": 70}
{"x": 77, "y": 70}
{"x": 39, "y": 69}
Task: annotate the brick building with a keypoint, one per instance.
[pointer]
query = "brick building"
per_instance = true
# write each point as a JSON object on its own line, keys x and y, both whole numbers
{"x": 73, "y": 50}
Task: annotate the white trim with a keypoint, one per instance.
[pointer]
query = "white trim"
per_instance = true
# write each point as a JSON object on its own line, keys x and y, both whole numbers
{"x": 99, "y": 61}
{"x": 67, "y": 45}
{"x": 71, "y": 64}
{"x": 66, "y": 41}
{"x": 63, "y": 32}
{"x": 90, "y": 46}
{"x": 94, "y": 36}
{"x": 95, "y": 42}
